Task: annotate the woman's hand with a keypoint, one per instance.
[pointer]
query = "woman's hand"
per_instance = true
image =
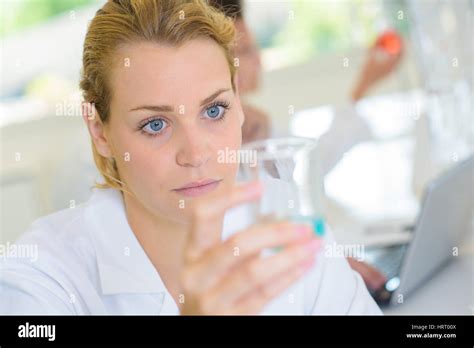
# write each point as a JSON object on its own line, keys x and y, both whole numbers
{"x": 372, "y": 277}
{"x": 231, "y": 277}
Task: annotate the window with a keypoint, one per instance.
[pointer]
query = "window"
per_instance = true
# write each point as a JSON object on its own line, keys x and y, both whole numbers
{"x": 21, "y": 14}
{"x": 292, "y": 31}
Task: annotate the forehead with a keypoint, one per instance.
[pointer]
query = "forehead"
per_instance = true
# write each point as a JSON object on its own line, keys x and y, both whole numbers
{"x": 145, "y": 71}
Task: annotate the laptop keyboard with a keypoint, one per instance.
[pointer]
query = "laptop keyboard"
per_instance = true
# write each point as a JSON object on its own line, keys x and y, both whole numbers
{"x": 390, "y": 261}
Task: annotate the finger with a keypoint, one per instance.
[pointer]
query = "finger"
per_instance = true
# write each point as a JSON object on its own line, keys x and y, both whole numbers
{"x": 255, "y": 303}
{"x": 241, "y": 246}
{"x": 375, "y": 279}
{"x": 206, "y": 225}
{"x": 371, "y": 276}
{"x": 258, "y": 272}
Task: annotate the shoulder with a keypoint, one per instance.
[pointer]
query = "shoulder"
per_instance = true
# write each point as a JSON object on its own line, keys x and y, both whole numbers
{"x": 60, "y": 234}
{"x": 67, "y": 233}
{"x": 44, "y": 269}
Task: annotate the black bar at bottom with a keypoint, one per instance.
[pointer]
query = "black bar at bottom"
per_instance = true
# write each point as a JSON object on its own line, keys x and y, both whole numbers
{"x": 290, "y": 330}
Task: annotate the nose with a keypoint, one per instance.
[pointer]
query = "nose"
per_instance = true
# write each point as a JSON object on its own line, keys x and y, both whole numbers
{"x": 194, "y": 151}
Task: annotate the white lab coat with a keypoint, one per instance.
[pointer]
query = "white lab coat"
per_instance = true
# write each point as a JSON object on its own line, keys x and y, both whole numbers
{"x": 89, "y": 261}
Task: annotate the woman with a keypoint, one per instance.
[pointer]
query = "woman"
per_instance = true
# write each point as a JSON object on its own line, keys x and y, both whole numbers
{"x": 161, "y": 86}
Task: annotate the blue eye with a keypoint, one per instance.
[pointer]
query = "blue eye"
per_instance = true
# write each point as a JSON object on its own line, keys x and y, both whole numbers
{"x": 215, "y": 111}
{"x": 155, "y": 126}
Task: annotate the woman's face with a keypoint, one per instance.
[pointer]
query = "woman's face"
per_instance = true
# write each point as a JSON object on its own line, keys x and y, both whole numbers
{"x": 172, "y": 111}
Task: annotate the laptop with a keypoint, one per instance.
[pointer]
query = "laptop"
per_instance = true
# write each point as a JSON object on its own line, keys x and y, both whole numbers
{"x": 446, "y": 213}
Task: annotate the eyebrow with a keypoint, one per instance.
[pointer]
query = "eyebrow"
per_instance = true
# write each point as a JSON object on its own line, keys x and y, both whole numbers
{"x": 168, "y": 108}
{"x": 213, "y": 96}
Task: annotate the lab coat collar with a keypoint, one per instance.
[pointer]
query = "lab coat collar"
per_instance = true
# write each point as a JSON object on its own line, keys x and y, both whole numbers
{"x": 122, "y": 263}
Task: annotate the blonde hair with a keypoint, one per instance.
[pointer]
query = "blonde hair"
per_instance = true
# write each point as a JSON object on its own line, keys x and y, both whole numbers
{"x": 119, "y": 22}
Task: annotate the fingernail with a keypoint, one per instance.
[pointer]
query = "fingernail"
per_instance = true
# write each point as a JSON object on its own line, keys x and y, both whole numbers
{"x": 314, "y": 245}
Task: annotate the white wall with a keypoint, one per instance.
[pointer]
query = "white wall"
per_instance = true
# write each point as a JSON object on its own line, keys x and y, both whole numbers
{"x": 323, "y": 80}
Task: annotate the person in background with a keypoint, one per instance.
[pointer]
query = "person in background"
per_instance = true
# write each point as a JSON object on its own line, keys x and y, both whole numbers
{"x": 257, "y": 124}
{"x": 349, "y": 127}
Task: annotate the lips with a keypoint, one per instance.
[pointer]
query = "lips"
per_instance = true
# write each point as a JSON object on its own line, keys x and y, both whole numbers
{"x": 197, "y": 188}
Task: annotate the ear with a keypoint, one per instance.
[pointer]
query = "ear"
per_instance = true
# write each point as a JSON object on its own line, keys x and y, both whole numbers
{"x": 96, "y": 129}
{"x": 237, "y": 97}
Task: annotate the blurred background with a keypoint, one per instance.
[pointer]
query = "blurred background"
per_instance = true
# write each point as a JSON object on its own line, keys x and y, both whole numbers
{"x": 420, "y": 117}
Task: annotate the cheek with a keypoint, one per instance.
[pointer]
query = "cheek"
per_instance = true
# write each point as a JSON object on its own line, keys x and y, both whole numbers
{"x": 150, "y": 169}
{"x": 139, "y": 164}
{"x": 150, "y": 174}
